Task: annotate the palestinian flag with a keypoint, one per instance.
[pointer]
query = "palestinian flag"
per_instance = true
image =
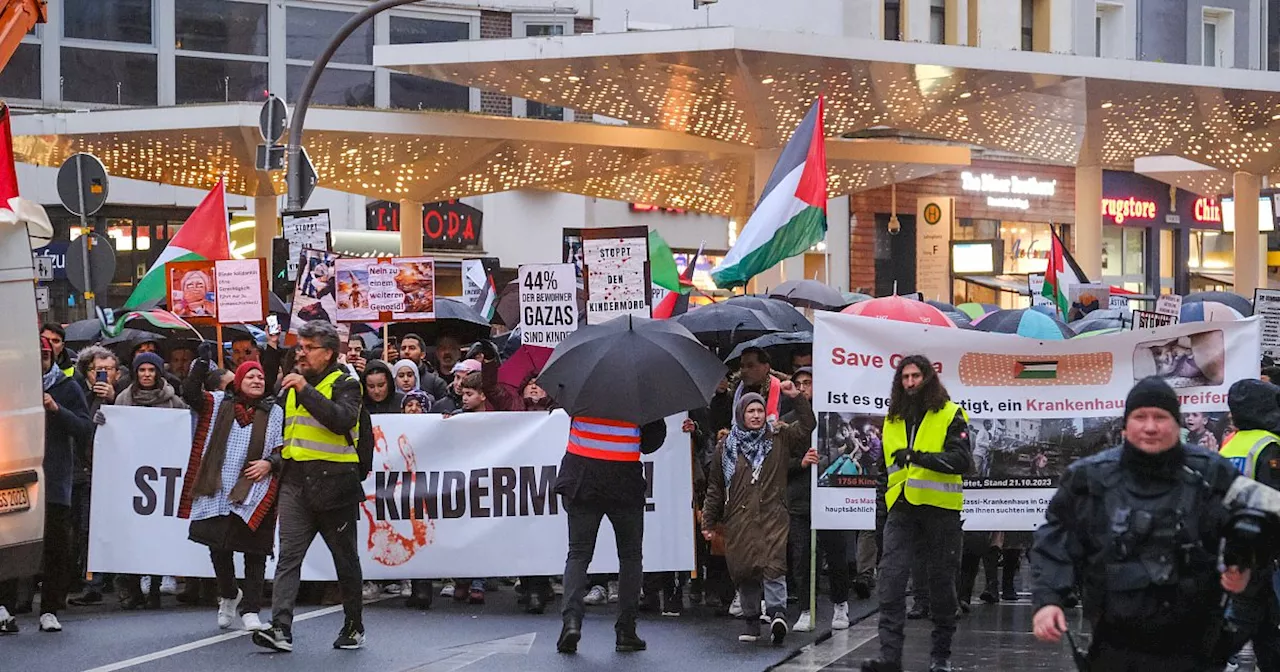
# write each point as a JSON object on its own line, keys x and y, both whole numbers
{"x": 1062, "y": 273}
{"x": 662, "y": 264}
{"x": 478, "y": 274}
{"x": 677, "y": 303}
{"x": 202, "y": 237}
{"x": 1035, "y": 370}
{"x": 791, "y": 216}
{"x": 160, "y": 319}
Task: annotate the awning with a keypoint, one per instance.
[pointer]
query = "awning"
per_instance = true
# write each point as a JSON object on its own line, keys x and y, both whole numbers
{"x": 1001, "y": 283}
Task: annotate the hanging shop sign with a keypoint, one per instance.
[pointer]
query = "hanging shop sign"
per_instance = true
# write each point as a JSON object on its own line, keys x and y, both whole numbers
{"x": 1130, "y": 199}
{"x": 1012, "y": 191}
{"x": 447, "y": 225}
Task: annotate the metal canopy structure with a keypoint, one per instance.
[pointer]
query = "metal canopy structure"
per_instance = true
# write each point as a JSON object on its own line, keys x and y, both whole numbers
{"x": 433, "y": 156}
{"x": 751, "y": 88}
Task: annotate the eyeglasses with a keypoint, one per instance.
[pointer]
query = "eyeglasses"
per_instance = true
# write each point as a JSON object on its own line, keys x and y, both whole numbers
{"x": 308, "y": 349}
{"x": 103, "y": 369}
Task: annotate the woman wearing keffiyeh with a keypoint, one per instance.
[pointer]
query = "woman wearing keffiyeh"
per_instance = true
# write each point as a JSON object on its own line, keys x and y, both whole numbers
{"x": 746, "y": 504}
{"x": 229, "y": 493}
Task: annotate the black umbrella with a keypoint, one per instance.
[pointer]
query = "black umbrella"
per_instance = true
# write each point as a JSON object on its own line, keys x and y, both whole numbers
{"x": 960, "y": 318}
{"x": 631, "y": 369}
{"x": 780, "y": 346}
{"x": 1230, "y": 299}
{"x": 83, "y": 332}
{"x": 275, "y": 305}
{"x": 453, "y": 318}
{"x": 784, "y": 314}
{"x": 808, "y": 294}
{"x": 724, "y": 325}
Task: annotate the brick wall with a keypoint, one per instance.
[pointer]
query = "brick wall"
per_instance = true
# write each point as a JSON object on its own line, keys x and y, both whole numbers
{"x": 495, "y": 25}
{"x": 581, "y": 25}
{"x": 1058, "y": 209}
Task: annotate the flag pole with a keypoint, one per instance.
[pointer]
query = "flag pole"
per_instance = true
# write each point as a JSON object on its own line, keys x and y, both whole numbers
{"x": 218, "y": 335}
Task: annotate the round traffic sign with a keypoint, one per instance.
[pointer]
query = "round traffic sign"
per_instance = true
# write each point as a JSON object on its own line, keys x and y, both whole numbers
{"x": 82, "y": 184}
{"x": 102, "y": 264}
{"x": 271, "y": 120}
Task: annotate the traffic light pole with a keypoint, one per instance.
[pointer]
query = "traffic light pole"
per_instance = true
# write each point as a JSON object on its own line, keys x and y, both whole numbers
{"x": 86, "y": 240}
{"x": 293, "y": 177}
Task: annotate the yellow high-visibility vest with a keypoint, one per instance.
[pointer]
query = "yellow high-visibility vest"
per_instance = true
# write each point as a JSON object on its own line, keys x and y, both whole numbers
{"x": 306, "y": 439}
{"x": 919, "y": 485}
{"x": 1243, "y": 449}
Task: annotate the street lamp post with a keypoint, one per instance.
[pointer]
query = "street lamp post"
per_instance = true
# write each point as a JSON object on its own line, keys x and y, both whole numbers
{"x": 294, "y": 176}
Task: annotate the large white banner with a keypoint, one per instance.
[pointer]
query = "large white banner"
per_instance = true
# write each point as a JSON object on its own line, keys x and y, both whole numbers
{"x": 469, "y": 496}
{"x": 1034, "y": 406}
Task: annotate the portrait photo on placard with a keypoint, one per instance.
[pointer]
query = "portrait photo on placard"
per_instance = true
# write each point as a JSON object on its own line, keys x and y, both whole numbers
{"x": 1194, "y": 360}
{"x": 850, "y": 449}
{"x": 192, "y": 292}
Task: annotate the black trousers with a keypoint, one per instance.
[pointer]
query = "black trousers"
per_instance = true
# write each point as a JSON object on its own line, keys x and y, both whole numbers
{"x": 56, "y": 565}
{"x": 833, "y": 545}
{"x": 1105, "y": 658}
{"x": 1256, "y": 617}
{"x": 255, "y": 572}
{"x": 299, "y": 526}
{"x": 913, "y": 533}
{"x": 628, "y": 529}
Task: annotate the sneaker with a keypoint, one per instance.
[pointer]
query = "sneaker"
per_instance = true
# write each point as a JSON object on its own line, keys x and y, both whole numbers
{"x": 804, "y": 623}
{"x": 613, "y": 592}
{"x": 476, "y": 596}
{"x": 672, "y": 602}
{"x": 764, "y": 615}
{"x": 447, "y": 589}
{"x": 862, "y": 588}
{"x": 8, "y": 623}
{"x": 49, "y": 623}
{"x": 596, "y": 596}
{"x": 778, "y": 631}
{"x": 750, "y": 631}
{"x": 276, "y": 637}
{"x": 169, "y": 586}
{"x": 917, "y": 613}
{"x": 351, "y": 637}
{"x": 145, "y": 583}
{"x": 89, "y": 598}
{"x": 941, "y": 665}
{"x": 1233, "y": 664}
{"x": 988, "y": 597}
{"x": 881, "y": 666}
{"x": 251, "y": 623}
{"x": 840, "y": 619}
{"x": 735, "y": 609}
{"x": 396, "y": 588}
{"x": 227, "y": 609}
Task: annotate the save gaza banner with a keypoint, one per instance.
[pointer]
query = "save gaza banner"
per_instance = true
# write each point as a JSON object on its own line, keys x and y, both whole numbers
{"x": 471, "y": 495}
{"x": 1034, "y": 406}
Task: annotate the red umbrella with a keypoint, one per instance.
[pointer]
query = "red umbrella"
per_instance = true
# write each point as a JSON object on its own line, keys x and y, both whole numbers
{"x": 527, "y": 359}
{"x": 901, "y": 310}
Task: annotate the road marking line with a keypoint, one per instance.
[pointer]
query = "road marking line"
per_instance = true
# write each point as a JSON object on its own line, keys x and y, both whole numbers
{"x": 209, "y": 641}
{"x": 820, "y": 655}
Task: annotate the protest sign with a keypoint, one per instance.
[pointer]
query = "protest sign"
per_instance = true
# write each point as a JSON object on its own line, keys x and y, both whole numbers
{"x": 400, "y": 289}
{"x": 1086, "y": 298}
{"x": 1145, "y": 319}
{"x": 616, "y": 272}
{"x": 314, "y": 292}
{"x": 1169, "y": 304}
{"x": 241, "y": 290}
{"x": 1118, "y": 302}
{"x": 1266, "y": 303}
{"x": 304, "y": 228}
{"x": 548, "y": 304}
{"x": 1035, "y": 288}
{"x": 478, "y": 290}
{"x": 192, "y": 290}
{"x": 471, "y": 495}
{"x": 1034, "y": 406}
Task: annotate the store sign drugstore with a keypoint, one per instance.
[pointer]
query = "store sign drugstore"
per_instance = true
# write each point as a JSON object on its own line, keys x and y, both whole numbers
{"x": 1121, "y": 209}
{"x": 1013, "y": 188}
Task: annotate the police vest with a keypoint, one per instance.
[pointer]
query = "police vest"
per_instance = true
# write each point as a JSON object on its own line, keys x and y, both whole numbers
{"x": 919, "y": 485}
{"x": 1243, "y": 449}
{"x": 601, "y": 439}
{"x": 70, "y": 371}
{"x": 306, "y": 439}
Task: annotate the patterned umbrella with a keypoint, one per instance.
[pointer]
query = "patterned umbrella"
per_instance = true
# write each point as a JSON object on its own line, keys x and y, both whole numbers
{"x": 976, "y": 310}
{"x": 1229, "y": 299}
{"x": 1208, "y": 311}
{"x": 1024, "y": 322}
{"x": 902, "y": 310}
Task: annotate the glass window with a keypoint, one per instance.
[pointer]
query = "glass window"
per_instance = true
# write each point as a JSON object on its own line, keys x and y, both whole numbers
{"x": 1097, "y": 35}
{"x": 309, "y": 30}
{"x": 892, "y": 20}
{"x": 214, "y": 80}
{"x": 1210, "y": 29}
{"x": 21, "y": 78}
{"x": 534, "y": 109}
{"x": 115, "y": 21}
{"x": 1028, "y": 25}
{"x": 543, "y": 29}
{"x": 221, "y": 27}
{"x": 1112, "y": 245}
{"x": 938, "y": 21}
{"x": 1134, "y": 245}
{"x": 352, "y": 88}
{"x": 405, "y": 30}
{"x": 112, "y": 77}
{"x": 419, "y": 93}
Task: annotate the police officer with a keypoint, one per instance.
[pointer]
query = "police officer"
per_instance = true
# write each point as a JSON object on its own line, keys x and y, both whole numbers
{"x": 926, "y": 450}
{"x": 320, "y": 483}
{"x": 1255, "y": 451}
{"x": 1143, "y": 524}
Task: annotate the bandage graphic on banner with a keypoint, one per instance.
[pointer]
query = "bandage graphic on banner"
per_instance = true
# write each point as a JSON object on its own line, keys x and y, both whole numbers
{"x": 472, "y": 495}
{"x": 1034, "y": 406}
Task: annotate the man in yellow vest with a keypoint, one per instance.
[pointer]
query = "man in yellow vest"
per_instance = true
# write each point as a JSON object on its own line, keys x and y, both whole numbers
{"x": 926, "y": 450}
{"x": 1255, "y": 451}
{"x": 320, "y": 483}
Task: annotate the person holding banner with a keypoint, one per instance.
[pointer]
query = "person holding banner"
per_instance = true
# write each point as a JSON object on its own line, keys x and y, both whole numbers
{"x": 320, "y": 483}
{"x": 229, "y": 493}
{"x": 926, "y": 451}
{"x": 1156, "y": 531}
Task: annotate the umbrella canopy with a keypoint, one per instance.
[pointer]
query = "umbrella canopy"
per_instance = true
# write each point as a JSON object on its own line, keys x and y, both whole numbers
{"x": 83, "y": 332}
{"x": 1208, "y": 311}
{"x": 453, "y": 318}
{"x": 1230, "y": 299}
{"x": 809, "y": 294}
{"x": 724, "y": 325}
{"x": 780, "y": 346}
{"x": 631, "y": 369}
{"x": 1090, "y": 323}
{"x": 155, "y": 321}
{"x": 1098, "y": 332}
{"x": 507, "y": 343}
{"x": 275, "y": 305}
{"x": 851, "y": 298}
{"x": 1024, "y": 322}
{"x": 783, "y": 314}
{"x": 527, "y": 360}
{"x": 1047, "y": 310}
{"x": 976, "y": 310}
{"x": 960, "y": 319}
{"x": 900, "y": 309}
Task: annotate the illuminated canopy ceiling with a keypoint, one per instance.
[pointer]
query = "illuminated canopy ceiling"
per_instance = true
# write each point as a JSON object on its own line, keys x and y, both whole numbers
{"x": 751, "y": 88}
{"x": 432, "y": 156}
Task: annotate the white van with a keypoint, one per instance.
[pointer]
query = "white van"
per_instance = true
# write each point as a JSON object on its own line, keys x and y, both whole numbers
{"x": 21, "y": 410}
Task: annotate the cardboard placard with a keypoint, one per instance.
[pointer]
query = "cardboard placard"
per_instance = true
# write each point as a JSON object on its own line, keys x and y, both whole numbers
{"x": 399, "y": 289}
{"x": 1266, "y": 303}
{"x": 1035, "y": 288}
{"x": 1145, "y": 319}
{"x": 615, "y": 263}
{"x": 1169, "y": 304}
{"x": 1086, "y": 298}
{"x": 548, "y": 304}
{"x": 304, "y": 228}
{"x": 241, "y": 290}
{"x": 313, "y": 293}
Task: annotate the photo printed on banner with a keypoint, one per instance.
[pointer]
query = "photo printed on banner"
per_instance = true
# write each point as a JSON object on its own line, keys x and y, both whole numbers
{"x": 1194, "y": 360}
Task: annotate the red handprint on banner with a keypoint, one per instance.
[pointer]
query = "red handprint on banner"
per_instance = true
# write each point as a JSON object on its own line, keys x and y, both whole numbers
{"x": 389, "y": 546}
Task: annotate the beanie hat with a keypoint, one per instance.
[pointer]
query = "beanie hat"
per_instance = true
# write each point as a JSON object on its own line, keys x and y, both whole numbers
{"x": 740, "y": 409}
{"x": 243, "y": 370}
{"x": 804, "y": 369}
{"x": 468, "y": 365}
{"x": 148, "y": 358}
{"x": 424, "y": 400}
{"x": 1153, "y": 392}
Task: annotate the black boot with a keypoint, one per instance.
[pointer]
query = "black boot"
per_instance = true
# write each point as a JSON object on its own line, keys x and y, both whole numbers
{"x": 1009, "y": 570}
{"x": 628, "y": 641}
{"x": 881, "y": 666}
{"x": 537, "y": 604}
{"x": 569, "y": 636}
{"x": 420, "y": 596}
